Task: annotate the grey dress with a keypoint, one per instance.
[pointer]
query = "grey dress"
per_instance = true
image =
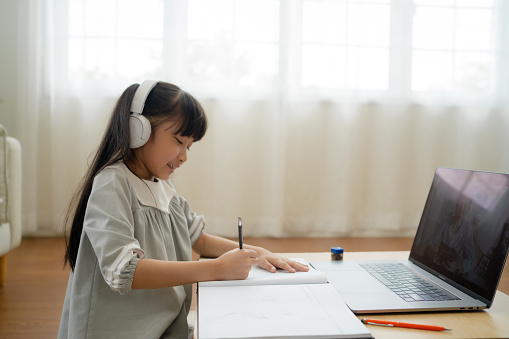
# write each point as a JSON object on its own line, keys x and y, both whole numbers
{"x": 128, "y": 218}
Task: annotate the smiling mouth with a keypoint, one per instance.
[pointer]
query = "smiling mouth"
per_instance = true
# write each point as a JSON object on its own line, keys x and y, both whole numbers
{"x": 174, "y": 167}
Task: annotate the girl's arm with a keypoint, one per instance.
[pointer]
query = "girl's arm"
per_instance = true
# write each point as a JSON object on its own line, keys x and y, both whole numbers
{"x": 212, "y": 246}
{"x": 232, "y": 265}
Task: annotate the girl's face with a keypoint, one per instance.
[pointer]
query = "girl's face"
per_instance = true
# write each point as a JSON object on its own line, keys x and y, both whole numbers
{"x": 164, "y": 152}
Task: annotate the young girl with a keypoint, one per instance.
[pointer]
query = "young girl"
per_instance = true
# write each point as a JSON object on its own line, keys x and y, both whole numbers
{"x": 132, "y": 236}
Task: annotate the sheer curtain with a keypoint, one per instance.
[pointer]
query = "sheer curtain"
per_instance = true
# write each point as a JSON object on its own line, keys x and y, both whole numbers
{"x": 326, "y": 117}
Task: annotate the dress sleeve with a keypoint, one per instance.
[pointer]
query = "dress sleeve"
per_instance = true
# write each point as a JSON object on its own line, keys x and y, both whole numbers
{"x": 109, "y": 225}
{"x": 195, "y": 222}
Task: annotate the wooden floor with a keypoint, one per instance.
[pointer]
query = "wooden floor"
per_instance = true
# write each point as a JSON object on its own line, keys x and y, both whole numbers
{"x": 32, "y": 298}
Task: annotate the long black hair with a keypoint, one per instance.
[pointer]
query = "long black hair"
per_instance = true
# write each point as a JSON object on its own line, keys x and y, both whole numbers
{"x": 165, "y": 102}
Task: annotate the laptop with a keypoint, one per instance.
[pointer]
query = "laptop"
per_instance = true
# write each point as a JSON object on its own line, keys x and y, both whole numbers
{"x": 457, "y": 256}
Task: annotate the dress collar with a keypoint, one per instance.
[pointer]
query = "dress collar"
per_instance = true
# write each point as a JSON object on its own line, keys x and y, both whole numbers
{"x": 156, "y": 194}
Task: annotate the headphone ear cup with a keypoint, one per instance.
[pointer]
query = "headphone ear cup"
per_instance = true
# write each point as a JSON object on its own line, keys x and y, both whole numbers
{"x": 139, "y": 129}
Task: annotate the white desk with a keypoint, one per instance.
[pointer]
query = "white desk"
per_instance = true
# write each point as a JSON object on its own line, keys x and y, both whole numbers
{"x": 491, "y": 323}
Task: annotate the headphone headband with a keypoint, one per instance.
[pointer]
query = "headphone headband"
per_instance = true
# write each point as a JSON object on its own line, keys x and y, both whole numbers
{"x": 141, "y": 95}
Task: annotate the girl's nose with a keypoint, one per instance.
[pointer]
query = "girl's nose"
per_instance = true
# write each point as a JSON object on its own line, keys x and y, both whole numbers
{"x": 183, "y": 156}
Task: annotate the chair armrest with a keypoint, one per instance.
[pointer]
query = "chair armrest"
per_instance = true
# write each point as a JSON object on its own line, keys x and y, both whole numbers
{"x": 14, "y": 186}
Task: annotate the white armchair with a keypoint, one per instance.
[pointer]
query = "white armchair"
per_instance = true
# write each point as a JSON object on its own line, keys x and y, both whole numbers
{"x": 10, "y": 197}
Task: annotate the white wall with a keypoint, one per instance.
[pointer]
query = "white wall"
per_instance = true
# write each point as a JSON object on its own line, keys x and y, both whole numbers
{"x": 8, "y": 65}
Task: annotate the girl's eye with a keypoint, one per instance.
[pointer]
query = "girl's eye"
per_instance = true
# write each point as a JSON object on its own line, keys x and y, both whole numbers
{"x": 181, "y": 143}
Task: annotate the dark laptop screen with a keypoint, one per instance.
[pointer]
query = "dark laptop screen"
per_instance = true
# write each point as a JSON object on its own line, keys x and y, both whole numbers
{"x": 464, "y": 230}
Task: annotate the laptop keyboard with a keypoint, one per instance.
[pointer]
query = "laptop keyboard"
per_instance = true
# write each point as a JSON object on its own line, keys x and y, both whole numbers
{"x": 408, "y": 285}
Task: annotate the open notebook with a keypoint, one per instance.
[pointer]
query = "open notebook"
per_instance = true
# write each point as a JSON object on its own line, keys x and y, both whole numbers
{"x": 259, "y": 276}
{"x": 275, "y": 305}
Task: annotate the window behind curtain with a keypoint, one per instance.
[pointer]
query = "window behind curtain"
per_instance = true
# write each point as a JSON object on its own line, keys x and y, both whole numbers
{"x": 115, "y": 39}
{"x": 331, "y": 47}
{"x": 454, "y": 46}
{"x": 346, "y": 44}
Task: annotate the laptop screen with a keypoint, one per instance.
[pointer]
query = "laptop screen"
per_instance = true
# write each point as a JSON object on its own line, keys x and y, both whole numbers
{"x": 463, "y": 234}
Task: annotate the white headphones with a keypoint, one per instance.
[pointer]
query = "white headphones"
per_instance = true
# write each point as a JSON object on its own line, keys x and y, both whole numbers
{"x": 139, "y": 126}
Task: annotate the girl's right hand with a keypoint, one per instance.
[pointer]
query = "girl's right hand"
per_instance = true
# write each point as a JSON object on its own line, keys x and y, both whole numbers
{"x": 236, "y": 264}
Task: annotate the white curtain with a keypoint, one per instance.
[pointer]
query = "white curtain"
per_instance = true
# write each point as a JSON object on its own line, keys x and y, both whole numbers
{"x": 321, "y": 169}
{"x": 290, "y": 160}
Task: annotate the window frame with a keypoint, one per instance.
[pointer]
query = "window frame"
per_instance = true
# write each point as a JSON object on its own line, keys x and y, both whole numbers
{"x": 289, "y": 87}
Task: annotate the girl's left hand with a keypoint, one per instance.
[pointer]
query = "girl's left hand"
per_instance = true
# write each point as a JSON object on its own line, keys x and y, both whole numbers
{"x": 271, "y": 262}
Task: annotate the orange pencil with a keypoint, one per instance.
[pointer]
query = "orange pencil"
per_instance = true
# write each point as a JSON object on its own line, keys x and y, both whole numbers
{"x": 406, "y": 325}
